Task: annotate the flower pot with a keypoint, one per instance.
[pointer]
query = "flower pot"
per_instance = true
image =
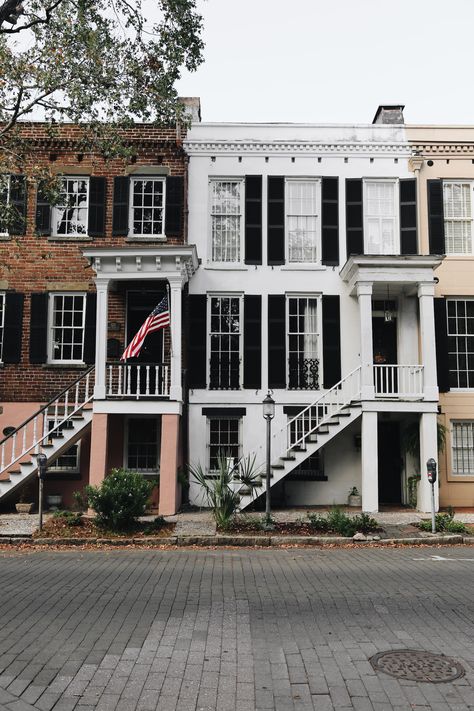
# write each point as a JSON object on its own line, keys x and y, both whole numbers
{"x": 354, "y": 500}
{"x": 54, "y": 501}
{"x": 24, "y": 508}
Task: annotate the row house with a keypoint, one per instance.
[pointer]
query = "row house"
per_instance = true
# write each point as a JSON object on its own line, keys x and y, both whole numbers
{"x": 78, "y": 278}
{"x": 315, "y": 285}
{"x": 443, "y": 160}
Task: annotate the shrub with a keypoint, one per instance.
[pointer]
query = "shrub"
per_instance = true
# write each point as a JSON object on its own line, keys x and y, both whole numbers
{"x": 70, "y": 518}
{"x": 339, "y": 522}
{"x": 155, "y": 525}
{"x": 120, "y": 499}
{"x": 444, "y": 522}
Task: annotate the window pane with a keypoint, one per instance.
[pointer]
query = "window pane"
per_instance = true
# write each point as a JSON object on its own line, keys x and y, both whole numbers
{"x": 147, "y": 208}
{"x": 463, "y": 448}
{"x": 301, "y": 220}
{"x": 224, "y": 441}
{"x": 303, "y": 339}
{"x": 226, "y": 221}
{"x": 458, "y": 217}
{"x": 225, "y": 343}
{"x": 67, "y": 327}
{"x": 70, "y": 215}
{"x": 143, "y": 444}
{"x": 380, "y": 218}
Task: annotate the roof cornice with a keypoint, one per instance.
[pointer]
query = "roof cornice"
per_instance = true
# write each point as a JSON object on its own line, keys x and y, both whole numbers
{"x": 211, "y": 148}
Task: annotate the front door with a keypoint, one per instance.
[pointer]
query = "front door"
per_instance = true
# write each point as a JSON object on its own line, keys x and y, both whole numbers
{"x": 384, "y": 334}
{"x": 389, "y": 463}
{"x": 140, "y": 304}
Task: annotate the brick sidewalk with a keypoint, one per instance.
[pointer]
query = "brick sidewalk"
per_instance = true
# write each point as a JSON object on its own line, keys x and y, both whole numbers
{"x": 247, "y": 630}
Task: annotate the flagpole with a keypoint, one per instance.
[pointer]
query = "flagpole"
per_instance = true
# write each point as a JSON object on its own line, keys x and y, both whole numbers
{"x": 169, "y": 309}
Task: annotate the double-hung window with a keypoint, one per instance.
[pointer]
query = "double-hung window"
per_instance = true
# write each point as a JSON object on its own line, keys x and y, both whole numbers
{"x": 68, "y": 461}
{"x": 226, "y": 201}
{"x": 302, "y": 201}
{"x": 143, "y": 444}
{"x": 225, "y": 346}
{"x": 70, "y": 216}
{"x": 66, "y": 327}
{"x": 4, "y": 204}
{"x": 147, "y": 207}
{"x": 462, "y": 447}
{"x": 303, "y": 342}
{"x": 224, "y": 441}
{"x": 381, "y": 223}
{"x": 458, "y": 217}
{"x": 2, "y": 323}
{"x": 461, "y": 342}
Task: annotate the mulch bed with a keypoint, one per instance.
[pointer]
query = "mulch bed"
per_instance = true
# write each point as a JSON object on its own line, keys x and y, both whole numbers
{"x": 60, "y": 528}
{"x": 284, "y": 528}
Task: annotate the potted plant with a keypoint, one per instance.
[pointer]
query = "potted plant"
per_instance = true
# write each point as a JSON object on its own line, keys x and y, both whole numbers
{"x": 354, "y": 498}
{"x": 54, "y": 501}
{"x": 24, "y": 504}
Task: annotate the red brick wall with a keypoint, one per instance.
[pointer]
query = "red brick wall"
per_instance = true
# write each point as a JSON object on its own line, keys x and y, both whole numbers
{"x": 32, "y": 263}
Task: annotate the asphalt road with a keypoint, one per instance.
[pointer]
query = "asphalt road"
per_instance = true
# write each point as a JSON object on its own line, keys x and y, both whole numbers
{"x": 231, "y": 630}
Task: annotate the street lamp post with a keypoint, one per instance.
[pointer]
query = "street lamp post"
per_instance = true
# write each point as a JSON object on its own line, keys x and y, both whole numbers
{"x": 268, "y": 413}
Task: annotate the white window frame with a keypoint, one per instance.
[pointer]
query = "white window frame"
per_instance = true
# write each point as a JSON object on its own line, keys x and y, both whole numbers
{"x": 396, "y": 214}
{"x": 153, "y": 235}
{"x": 458, "y": 388}
{"x": 57, "y": 210}
{"x": 470, "y": 424}
{"x": 470, "y": 183}
{"x": 145, "y": 472}
{"x": 54, "y": 466}
{"x": 240, "y": 246}
{"x": 208, "y": 439}
{"x": 3, "y": 302}
{"x": 51, "y": 349}
{"x": 318, "y": 298}
{"x": 317, "y": 182}
{"x": 222, "y": 295}
{"x": 5, "y": 233}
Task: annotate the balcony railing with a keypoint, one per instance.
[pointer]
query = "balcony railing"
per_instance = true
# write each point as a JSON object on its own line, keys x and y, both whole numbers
{"x": 398, "y": 381}
{"x": 137, "y": 381}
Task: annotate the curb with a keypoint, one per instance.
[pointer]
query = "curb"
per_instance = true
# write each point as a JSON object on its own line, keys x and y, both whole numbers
{"x": 237, "y": 541}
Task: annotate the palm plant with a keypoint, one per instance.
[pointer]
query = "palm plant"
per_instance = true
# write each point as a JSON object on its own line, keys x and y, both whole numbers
{"x": 224, "y": 487}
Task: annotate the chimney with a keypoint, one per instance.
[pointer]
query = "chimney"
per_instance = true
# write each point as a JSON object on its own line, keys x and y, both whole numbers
{"x": 392, "y": 113}
{"x": 192, "y": 107}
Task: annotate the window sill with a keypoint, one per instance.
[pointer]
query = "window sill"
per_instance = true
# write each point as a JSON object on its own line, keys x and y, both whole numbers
{"x": 227, "y": 267}
{"x": 148, "y": 238}
{"x": 62, "y": 366}
{"x": 303, "y": 268}
{"x": 71, "y": 238}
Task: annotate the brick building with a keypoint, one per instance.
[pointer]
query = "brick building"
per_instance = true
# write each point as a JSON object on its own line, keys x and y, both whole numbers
{"x": 77, "y": 280}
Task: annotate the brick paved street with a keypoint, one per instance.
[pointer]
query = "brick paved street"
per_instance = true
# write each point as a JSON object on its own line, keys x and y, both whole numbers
{"x": 231, "y": 629}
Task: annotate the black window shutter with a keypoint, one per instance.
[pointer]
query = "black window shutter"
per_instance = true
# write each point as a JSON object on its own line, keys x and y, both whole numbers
{"x": 174, "y": 205}
{"x": 277, "y": 341}
{"x": 43, "y": 212}
{"x": 252, "y": 342}
{"x": 330, "y": 221}
{"x": 354, "y": 217}
{"x": 13, "y": 328}
{"x": 436, "y": 216}
{"x": 276, "y": 220}
{"x": 408, "y": 240}
{"x": 97, "y": 193}
{"x": 39, "y": 328}
{"x": 331, "y": 341}
{"x": 18, "y": 201}
{"x": 253, "y": 219}
{"x": 90, "y": 328}
{"x": 442, "y": 354}
{"x": 120, "y": 210}
{"x": 197, "y": 364}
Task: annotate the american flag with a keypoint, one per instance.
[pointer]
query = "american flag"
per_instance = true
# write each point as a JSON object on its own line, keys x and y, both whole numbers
{"x": 159, "y": 318}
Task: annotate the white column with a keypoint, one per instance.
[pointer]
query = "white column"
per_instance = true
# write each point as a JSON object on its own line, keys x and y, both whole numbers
{"x": 428, "y": 344}
{"x": 101, "y": 339}
{"x": 176, "y": 389}
{"x": 428, "y": 449}
{"x": 370, "y": 483}
{"x": 364, "y": 296}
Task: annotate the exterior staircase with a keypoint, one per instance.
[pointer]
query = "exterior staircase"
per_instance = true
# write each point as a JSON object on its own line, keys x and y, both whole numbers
{"x": 316, "y": 425}
{"x": 52, "y": 430}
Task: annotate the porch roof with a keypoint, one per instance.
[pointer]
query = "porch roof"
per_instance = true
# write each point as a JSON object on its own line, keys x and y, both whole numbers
{"x": 402, "y": 273}
{"x": 158, "y": 262}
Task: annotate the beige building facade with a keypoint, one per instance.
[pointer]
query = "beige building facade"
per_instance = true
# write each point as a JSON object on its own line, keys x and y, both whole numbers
{"x": 443, "y": 161}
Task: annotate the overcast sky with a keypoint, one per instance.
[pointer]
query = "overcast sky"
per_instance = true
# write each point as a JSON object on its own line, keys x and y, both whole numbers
{"x": 335, "y": 60}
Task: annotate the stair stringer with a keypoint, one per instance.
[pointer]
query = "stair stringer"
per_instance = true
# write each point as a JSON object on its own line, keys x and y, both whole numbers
{"x": 25, "y": 470}
{"x": 297, "y": 455}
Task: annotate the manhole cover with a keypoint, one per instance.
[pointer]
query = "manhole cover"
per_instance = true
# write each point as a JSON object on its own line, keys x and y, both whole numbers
{"x": 417, "y": 666}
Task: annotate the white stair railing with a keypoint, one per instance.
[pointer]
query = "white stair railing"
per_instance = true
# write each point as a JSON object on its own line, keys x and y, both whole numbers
{"x": 28, "y": 437}
{"x": 398, "y": 381}
{"x": 331, "y": 403}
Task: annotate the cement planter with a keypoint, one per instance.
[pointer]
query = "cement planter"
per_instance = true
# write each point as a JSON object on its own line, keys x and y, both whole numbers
{"x": 354, "y": 500}
{"x": 24, "y": 508}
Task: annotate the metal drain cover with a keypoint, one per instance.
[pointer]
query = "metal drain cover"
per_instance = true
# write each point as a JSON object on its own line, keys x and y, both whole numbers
{"x": 417, "y": 666}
